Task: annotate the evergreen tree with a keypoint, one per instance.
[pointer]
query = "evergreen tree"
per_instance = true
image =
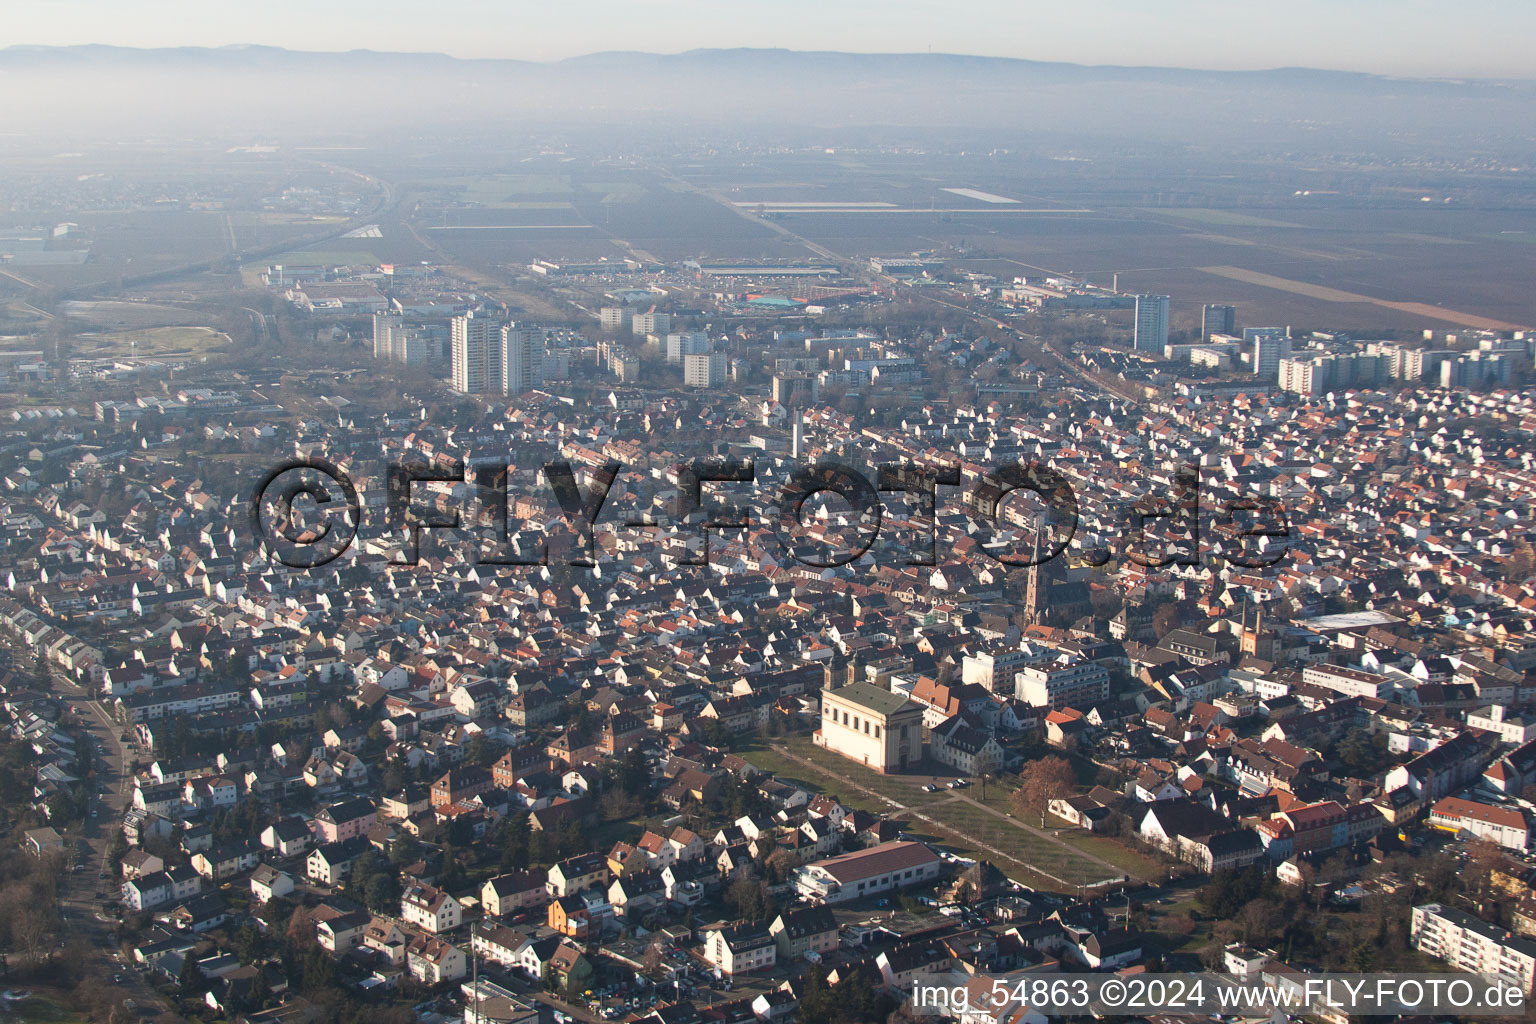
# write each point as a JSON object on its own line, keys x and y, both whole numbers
{"x": 634, "y": 776}
{"x": 247, "y": 943}
{"x": 190, "y": 982}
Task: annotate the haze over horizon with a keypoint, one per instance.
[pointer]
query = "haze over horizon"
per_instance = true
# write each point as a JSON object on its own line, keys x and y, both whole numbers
{"x": 1485, "y": 38}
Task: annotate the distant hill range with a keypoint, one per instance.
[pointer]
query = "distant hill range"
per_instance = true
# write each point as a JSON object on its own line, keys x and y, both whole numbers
{"x": 109, "y": 87}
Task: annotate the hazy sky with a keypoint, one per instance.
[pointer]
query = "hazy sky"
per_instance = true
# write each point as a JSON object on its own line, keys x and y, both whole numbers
{"x": 1486, "y": 38}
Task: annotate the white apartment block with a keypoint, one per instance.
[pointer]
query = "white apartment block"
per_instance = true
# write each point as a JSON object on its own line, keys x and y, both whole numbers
{"x": 476, "y": 351}
{"x": 522, "y": 359}
{"x": 704, "y": 369}
{"x": 686, "y": 343}
{"x": 1351, "y": 682}
{"x": 1063, "y": 683}
{"x": 1473, "y": 945}
{"x": 651, "y": 323}
{"x": 995, "y": 670}
{"x": 1514, "y": 729}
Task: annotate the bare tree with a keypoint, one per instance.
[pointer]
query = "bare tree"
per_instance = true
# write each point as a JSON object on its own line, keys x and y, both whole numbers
{"x": 781, "y": 864}
{"x": 654, "y": 958}
{"x": 1040, "y": 782}
{"x": 1258, "y": 920}
{"x": 32, "y": 931}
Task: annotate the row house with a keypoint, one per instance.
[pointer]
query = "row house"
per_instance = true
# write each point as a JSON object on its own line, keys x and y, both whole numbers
{"x": 506, "y": 895}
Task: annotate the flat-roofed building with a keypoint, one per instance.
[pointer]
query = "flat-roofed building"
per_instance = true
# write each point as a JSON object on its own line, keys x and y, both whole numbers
{"x": 476, "y": 349}
{"x": 1151, "y": 323}
{"x": 650, "y": 322}
{"x": 522, "y": 359}
{"x": 1065, "y": 682}
{"x": 704, "y": 369}
{"x": 1473, "y": 945}
{"x": 1351, "y": 682}
{"x": 1217, "y": 319}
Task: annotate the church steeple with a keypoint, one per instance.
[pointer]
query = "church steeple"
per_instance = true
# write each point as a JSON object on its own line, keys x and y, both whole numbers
{"x": 1033, "y": 582}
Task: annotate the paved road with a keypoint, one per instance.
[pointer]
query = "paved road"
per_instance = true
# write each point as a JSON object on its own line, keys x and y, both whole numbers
{"x": 78, "y": 904}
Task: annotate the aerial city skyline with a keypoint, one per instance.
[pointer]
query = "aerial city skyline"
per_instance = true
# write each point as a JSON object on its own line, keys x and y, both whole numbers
{"x": 688, "y": 513}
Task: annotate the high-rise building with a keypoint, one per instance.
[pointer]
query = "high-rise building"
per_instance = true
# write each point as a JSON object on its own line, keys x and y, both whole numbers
{"x": 1314, "y": 374}
{"x": 619, "y": 360}
{"x": 420, "y": 345}
{"x": 651, "y": 322}
{"x": 1302, "y": 376}
{"x": 1476, "y": 370}
{"x": 1423, "y": 363}
{"x": 476, "y": 350}
{"x": 557, "y": 362}
{"x": 704, "y": 370}
{"x": 1218, "y": 319}
{"x": 1267, "y": 346}
{"x": 410, "y": 341}
{"x": 384, "y": 326}
{"x": 686, "y": 343}
{"x": 522, "y": 359}
{"x": 793, "y": 390}
{"x": 1151, "y": 323}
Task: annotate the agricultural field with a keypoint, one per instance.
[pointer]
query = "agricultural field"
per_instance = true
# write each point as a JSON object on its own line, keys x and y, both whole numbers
{"x": 327, "y": 256}
{"x": 1289, "y": 246}
{"x": 495, "y": 191}
{"x": 122, "y": 314}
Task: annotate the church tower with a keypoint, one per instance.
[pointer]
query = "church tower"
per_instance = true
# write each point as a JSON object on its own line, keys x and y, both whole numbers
{"x": 1035, "y": 582}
